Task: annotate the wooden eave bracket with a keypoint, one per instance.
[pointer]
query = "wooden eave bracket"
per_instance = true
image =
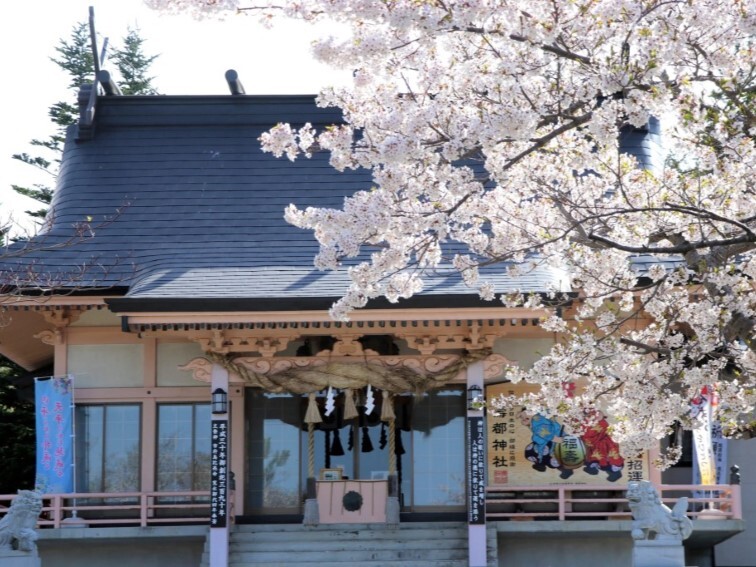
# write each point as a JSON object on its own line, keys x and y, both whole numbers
{"x": 50, "y": 337}
{"x": 59, "y": 319}
{"x": 469, "y": 337}
{"x": 222, "y": 342}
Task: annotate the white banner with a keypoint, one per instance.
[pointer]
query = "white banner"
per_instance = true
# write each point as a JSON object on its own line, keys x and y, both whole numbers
{"x": 719, "y": 449}
{"x": 709, "y": 446}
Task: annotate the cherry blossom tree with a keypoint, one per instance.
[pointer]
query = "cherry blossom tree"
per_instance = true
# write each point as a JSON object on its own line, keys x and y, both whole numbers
{"x": 492, "y": 126}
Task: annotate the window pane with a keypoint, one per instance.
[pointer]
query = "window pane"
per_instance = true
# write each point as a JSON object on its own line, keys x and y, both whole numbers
{"x": 183, "y": 450}
{"x": 281, "y": 478}
{"x": 273, "y": 422}
{"x": 122, "y": 449}
{"x": 438, "y": 440}
{"x": 108, "y": 450}
{"x": 201, "y": 447}
{"x": 89, "y": 447}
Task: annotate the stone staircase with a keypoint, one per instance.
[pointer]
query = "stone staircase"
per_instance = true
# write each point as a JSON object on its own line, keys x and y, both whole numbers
{"x": 412, "y": 544}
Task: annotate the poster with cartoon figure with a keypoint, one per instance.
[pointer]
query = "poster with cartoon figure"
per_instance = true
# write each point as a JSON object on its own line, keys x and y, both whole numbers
{"x": 602, "y": 453}
{"x": 546, "y": 435}
{"x": 526, "y": 449}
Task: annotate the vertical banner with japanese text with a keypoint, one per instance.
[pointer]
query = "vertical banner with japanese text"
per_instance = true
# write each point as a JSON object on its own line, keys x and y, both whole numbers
{"x": 54, "y": 425}
{"x": 219, "y": 473}
{"x": 531, "y": 449}
{"x": 719, "y": 449}
{"x": 709, "y": 444}
{"x": 476, "y": 473}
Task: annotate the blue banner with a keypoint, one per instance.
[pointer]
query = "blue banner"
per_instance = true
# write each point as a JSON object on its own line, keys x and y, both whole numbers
{"x": 54, "y": 407}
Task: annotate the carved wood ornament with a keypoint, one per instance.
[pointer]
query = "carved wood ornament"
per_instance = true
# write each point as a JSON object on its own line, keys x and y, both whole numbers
{"x": 223, "y": 342}
{"x": 348, "y": 364}
{"x": 59, "y": 319}
{"x": 425, "y": 336}
{"x": 302, "y": 375}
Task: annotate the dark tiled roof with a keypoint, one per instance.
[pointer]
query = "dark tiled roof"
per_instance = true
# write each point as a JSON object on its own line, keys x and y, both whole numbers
{"x": 186, "y": 205}
{"x": 645, "y": 144}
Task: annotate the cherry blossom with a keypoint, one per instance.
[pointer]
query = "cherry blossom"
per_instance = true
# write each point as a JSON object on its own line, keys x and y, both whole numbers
{"x": 494, "y": 126}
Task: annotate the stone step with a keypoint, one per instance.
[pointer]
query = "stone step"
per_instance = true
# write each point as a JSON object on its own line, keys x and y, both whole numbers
{"x": 328, "y": 560}
{"x": 417, "y": 544}
{"x": 406, "y": 526}
{"x": 353, "y": 556}
{"x": 349, "y": 535}
{"x": 347, "y": 545}
{"x": 382, "y": 563}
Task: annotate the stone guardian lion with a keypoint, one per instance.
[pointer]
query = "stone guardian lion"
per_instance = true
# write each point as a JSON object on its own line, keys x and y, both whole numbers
{"x": 17, "y": 526}
{"x": 652, "y": 520}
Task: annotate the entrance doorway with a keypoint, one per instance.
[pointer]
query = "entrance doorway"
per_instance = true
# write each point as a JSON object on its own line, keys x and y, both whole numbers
{"x": 430, "y": 453}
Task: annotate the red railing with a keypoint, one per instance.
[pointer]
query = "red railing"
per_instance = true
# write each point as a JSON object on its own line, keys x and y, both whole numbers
{"x": 121, "y": 508}
{"x": 566, "y": 502}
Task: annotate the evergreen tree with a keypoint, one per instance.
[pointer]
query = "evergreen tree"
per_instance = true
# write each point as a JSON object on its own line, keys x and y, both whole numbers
{"x": 74, "y": 56}
{"x": 17, "y": 451}
{"x": 133, "y": 66}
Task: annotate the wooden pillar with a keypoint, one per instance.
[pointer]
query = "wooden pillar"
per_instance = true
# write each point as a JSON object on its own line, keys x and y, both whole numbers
{"x": 219, "y": 532}
{"x": 60, "y": 356}
{"x": 149, "y": 417}
{"x": 236, "y": 399}
{"x": 148, "y": 434}
{"x": 476, "y": 486}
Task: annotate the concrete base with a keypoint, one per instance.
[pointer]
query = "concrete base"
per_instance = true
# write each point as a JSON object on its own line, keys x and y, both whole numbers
{"x": 74, "y": 522}
{"x": 10, "y": 558}
{"x": 711, "y": 514}
{"x": 154, "y": 546}
{"x": 311, "y": 512}
{"x": 656, "y": 553}
{"x": 392, "y": 511}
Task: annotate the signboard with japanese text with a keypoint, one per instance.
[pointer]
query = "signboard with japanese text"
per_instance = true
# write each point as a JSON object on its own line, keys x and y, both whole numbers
{"x": 528, "y": 450}
{"x": 219, "y": 473}
{"x": 54, "y": 426}
{"x": 476, "y": 473}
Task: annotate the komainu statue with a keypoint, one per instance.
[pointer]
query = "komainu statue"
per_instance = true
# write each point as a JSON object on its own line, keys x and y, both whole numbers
{"x": 652, "y": 520}
{"x": 17, "y": 526}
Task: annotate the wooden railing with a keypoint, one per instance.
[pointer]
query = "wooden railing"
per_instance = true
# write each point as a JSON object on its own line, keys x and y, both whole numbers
{"x": 565, "y": 502}
{"x": 121, "y": 508}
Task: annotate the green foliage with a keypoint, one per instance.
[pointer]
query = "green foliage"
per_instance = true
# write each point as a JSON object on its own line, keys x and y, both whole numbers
{"x": 74, "y": 56}
{"x": 17, "y": 432}
{"x": 38, "y": 192}
{"x": 133, "y": 65}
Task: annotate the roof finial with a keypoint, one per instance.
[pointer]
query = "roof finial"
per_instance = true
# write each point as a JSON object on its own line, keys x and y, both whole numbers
{"x": 234, "y": 84}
